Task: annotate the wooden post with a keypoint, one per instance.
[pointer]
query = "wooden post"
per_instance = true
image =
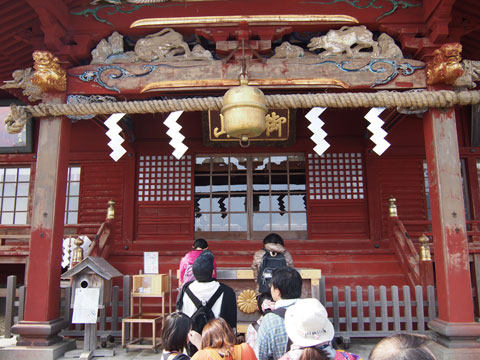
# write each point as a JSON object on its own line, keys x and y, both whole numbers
{"x": 42, "y": 321}
{"x": 455, "y": 324}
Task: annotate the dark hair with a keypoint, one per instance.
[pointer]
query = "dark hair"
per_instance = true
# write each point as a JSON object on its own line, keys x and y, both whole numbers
{"x": 217, "y": 334}
{"x": 288, "y": 281}
{"x": 273, "y": 239}
{"x": 200, "y": 243}
{"x": 313, "y": 353}
{"x": 260, "y": 299}
{"x": 175, "y": 331}
{"x": 402, "y": 347}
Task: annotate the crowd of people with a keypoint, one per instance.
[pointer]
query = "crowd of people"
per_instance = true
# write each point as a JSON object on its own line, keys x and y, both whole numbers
{"x": 289, "y": 327}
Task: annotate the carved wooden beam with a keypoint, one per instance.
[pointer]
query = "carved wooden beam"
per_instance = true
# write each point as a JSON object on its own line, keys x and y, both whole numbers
{"x": 308, "y": 72}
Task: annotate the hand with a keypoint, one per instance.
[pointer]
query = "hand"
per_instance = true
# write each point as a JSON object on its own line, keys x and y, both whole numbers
{"x": 195, "y": 338}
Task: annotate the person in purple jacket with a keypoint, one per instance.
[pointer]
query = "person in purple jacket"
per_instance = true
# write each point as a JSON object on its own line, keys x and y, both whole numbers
{"x": 186, "y": 272}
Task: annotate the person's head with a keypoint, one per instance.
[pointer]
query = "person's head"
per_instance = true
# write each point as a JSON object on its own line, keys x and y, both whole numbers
{"x": 260, "y": 300}
{"x": 273, "y": 239}
{"x": 402, "y": 347}
{"x": 313, "y": 353}
{"x": 175, "y": 331}
{"x": 217, "y": 334}
{"x": 200, "y": 244}
{"x": 307, "y": 324}
{"x": 286, "y": 283}
{"x": 203, "y": 267}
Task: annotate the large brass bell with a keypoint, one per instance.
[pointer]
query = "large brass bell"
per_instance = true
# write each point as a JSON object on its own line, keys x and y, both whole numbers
{"x": 244, "y": 111}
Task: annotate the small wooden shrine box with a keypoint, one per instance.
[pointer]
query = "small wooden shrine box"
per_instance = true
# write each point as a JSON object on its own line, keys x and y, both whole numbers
{"x": 93, "y": 272}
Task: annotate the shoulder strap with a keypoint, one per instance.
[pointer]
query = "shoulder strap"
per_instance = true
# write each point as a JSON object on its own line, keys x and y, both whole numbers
{"x": 213, "y": 354}
{"x": 194, "y": 299}
{"x": 280, "y": 312}
{"x": 237, "y": 352}
{"x": 181, "y": 356}
{"x": 214, "y": 297}
{"x": 256, "y": 325}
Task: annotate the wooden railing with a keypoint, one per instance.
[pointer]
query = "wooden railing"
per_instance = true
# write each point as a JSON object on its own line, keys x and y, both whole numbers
{"x": 359, "y": 312}
{"x": 14, "y": 239}
{"x": 417, "y": 268}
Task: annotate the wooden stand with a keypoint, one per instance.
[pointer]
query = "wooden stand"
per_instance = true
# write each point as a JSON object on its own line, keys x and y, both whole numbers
{"x": 145, "y": 286}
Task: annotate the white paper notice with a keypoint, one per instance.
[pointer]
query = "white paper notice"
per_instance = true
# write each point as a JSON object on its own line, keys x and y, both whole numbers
{"x": 85, "y": 307}
{"x": 150, "y": 262}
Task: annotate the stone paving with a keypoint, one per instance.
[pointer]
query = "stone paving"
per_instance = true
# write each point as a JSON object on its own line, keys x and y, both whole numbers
{"x": 360, "y": 347}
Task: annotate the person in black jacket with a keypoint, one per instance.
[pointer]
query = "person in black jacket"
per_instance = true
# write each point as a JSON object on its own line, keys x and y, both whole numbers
{"x": 204, "y": 287}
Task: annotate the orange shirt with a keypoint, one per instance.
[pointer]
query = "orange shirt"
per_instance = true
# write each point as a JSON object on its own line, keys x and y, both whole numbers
{"x": 205, "y": 354}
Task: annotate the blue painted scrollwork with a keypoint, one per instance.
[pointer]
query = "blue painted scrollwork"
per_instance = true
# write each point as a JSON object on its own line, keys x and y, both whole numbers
{"x": 115, "y": 72}
{"x": 378, "y": 66}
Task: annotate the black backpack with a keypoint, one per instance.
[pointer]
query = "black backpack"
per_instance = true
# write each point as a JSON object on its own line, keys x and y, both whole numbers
{"x": 270, "y": 261}
{"x": 204, "y": 312}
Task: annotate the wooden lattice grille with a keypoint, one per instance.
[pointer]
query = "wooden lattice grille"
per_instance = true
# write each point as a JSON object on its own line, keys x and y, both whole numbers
{"x": 164, "y": 178}
{"x": 335, "y": 176}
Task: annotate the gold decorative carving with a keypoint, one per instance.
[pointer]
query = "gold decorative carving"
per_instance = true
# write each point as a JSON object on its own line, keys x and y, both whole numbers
{"x": 347, "y": 40}
{"x": 48, "y": 73}
{"x": 250, "y": 20}
{"x": 247, "y": 301}
{"x": 445, "y": 67}
{"x": 273, "y": 123}
{"x": 22, "y": 79}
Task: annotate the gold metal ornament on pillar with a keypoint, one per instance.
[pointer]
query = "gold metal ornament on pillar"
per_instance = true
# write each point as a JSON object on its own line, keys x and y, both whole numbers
{"x": 244, "y": 109}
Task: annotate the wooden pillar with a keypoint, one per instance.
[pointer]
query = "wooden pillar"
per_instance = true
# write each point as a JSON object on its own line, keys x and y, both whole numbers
{"x": 455, "y": 323}
{"x": 42, "y": 322}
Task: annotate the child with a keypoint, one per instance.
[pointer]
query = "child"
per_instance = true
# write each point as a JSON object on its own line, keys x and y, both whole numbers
{"x": 265, "y": 304}
{"x": 186, "y": 272}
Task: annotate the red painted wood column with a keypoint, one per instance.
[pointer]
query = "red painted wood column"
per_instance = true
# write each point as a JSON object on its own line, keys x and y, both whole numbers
{"x": 455, "y": 323}
{"x": 41, "y": 322}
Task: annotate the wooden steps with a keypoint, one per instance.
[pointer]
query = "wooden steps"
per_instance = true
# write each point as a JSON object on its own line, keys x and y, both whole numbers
{"x": 343, "y": 262}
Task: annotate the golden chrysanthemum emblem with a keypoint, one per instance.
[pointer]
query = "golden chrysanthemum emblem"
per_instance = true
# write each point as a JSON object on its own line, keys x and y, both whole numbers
{"x": 247, "y": 301}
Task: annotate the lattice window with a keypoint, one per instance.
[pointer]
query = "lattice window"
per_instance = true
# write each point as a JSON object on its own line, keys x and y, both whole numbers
{"x": 73, "y": 195}
{"x": 164, "y": 178}
{"x": 14, "y": 189}
{"x": 335, "y": 176}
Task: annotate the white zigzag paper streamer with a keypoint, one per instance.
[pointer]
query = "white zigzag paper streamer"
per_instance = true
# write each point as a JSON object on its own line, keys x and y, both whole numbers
{"x": 174, "y": 132}
{"x": 315, "y": 127}
{"x": 378, "y": 134}
{"x": 114, "y": 134}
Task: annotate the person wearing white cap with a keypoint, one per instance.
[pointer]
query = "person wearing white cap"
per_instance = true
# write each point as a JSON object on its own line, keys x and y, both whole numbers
{"x": 310, "y": 331}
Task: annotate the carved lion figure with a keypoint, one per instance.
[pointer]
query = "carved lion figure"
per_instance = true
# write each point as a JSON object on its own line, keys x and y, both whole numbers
{"x": 161, "y": 45}
{"x": 445, "y": 67}
{"x": 48, "y": 73}
{"x": 338, "y": 42}
{"x": 288, "y": 51}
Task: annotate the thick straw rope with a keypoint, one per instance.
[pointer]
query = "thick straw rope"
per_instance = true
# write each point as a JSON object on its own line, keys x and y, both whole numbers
{"x": 411, "y": 100}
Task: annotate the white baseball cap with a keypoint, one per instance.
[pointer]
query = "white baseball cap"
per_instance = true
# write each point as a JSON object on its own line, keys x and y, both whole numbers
{"x": 307, "y": 324}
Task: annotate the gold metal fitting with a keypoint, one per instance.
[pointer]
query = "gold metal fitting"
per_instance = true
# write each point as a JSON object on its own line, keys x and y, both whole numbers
{"x": 77, "y": 253}
{"x": 392, "y": 209}
{"x": 111, "y": 210}
{"x": 424, "y": 248}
